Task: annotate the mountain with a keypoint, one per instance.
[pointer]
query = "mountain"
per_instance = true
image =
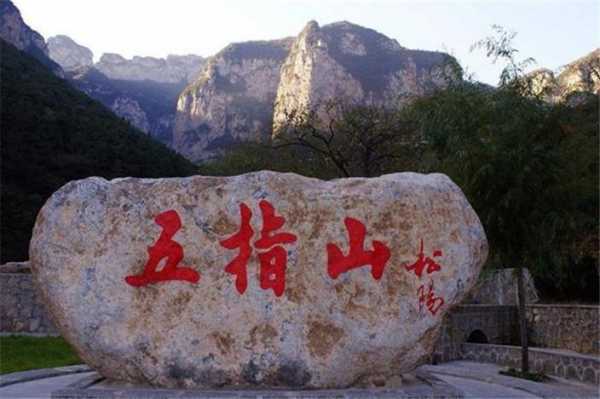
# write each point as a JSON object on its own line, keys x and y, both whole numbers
{"x": 579, "y": 76}
{"x": 148, "y": 105}
{"x": 143, "y": 90}
{"x": 232, "y": 100}
{"x": 15, "y": 31}
{"x": 53, "y": 133}
{"x": 348, "y": 62}
{"x": 173, "y": 69}
{"x": 68, "y": 54}
{"x": 246, "y": 90}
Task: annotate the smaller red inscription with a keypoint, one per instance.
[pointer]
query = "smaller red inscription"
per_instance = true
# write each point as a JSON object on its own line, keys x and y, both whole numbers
{"x": 337, "y": 263}
{"x": 428, "y": 298}
{"x": 165, "y": 247}
{"x": 425, "y": 263}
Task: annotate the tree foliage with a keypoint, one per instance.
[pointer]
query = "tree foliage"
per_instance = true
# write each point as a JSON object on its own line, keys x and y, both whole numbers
{"x": 356, "y": 139}
{"x": 50, "y": 134}
{"x": 528, "y": 167}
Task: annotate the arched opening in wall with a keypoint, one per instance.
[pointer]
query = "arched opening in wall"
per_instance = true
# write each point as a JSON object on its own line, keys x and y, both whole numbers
{"x": 477, "y": 337}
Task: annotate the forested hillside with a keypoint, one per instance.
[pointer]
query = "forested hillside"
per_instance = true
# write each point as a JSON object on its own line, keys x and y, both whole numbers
{"x": 52, "y": 133}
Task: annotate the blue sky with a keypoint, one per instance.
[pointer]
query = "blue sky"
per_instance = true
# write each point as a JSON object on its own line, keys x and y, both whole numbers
{"x": 551, "y": 31}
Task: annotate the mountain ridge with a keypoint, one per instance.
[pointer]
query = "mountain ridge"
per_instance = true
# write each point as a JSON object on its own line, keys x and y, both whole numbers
{"x": 202, "y": 106}
{"x": 53, "y": 133}
{"x": 274, "y": 81}
{"x": 15, "y": 31}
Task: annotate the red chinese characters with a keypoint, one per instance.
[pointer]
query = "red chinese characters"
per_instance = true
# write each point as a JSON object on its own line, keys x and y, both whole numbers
{"x": 426, "y": 294}
{"x": 273, "y": 261}
{"x": 163, "y": 248}
{"x": 428, "y": 298}
{"x": 338, "y": 263}
{"x": 425, "y": 263}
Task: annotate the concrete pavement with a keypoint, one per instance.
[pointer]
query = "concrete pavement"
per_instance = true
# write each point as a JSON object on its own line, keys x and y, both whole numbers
{"x": 453, "y": 379}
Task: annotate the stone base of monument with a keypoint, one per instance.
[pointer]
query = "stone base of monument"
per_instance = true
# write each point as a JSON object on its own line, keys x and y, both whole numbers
{"x": 420, "y": 385}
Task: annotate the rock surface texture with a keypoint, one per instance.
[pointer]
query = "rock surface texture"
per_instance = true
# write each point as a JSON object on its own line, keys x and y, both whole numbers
{"x": 16, "y": 32}
{"x": 500, "y": 288}
{"x": 173, "y": 69}
{"x": 246, "y": 90}
{"x": 578, "y": 77}
{"x": 143, "y": 90}
{"x": 68, "y": 54}
{"x": 346, "y": 62}
{"x": 232, "y": 101}
{"x": 343, "y": 316}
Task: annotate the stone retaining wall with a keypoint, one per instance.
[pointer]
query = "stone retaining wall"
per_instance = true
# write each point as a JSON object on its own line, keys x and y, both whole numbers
{"x": 573, "y": 327}
{"x": 565, "y": 364}
{"x": 498, "y": 323}
{"x": 20, "y": 309}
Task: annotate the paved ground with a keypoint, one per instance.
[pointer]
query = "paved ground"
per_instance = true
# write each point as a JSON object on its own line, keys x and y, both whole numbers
{"x": 40, "y": 389}
{"x": 483, "y": 380}
{"x": 473, "y": 380}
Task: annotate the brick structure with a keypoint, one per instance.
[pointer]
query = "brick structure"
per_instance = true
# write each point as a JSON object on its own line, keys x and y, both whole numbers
{"x": 496, "y": 324}
{"x": 20, "y": 309}
{"x": 573, "y": 327}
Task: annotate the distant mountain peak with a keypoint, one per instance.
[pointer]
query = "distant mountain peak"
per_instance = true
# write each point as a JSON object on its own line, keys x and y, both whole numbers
{"x": 579, "y": 76}
{"x": 69, "y": 54}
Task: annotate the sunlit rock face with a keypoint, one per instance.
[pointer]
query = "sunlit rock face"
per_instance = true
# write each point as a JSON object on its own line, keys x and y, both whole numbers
{"x": 232, "y": 101}
{"x": 582, "y": 75}
{"x": 68, "y": 54}
{"x": 349, "y": 63}
{"x": 263, "y": 279}
{"x": 249, "y": 88}
{"x": 16, "y": 32}
{"x": 577, "y": 78}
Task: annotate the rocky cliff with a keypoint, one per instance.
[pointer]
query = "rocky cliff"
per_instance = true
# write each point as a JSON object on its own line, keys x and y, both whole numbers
{"x": 248, "y": 88}
{"x": 68, "y": 54}
{"x": 16, "y": 32}
{"x": 232, "y": 100}
{"x": 579, "y": 76}
{"x": 142, "y": 90}
{"x": 148, "y": 105}
{"x": 347, "y": 62}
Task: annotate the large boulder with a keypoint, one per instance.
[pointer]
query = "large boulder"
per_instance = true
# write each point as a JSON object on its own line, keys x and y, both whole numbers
{"x": 262, "y": 279}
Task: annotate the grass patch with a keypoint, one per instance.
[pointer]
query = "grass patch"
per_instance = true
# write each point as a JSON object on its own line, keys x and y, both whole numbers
{"x": 512, "y": 372}
{"x": 20, "y": 353}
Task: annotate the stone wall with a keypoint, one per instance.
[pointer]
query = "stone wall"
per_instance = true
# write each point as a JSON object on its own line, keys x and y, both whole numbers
{"x": 565, "y": 364}
{"x": 20, "y": 310}
{"x": 499, "y": 287}
{"x": 499, "y": 324}
{"x": 573, "y": 327}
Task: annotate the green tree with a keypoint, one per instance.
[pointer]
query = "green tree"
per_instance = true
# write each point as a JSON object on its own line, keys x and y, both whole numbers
{"x": 506, "y": 149}
{"x": 354, "y": 139}
{"x": 50, "y": 134}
